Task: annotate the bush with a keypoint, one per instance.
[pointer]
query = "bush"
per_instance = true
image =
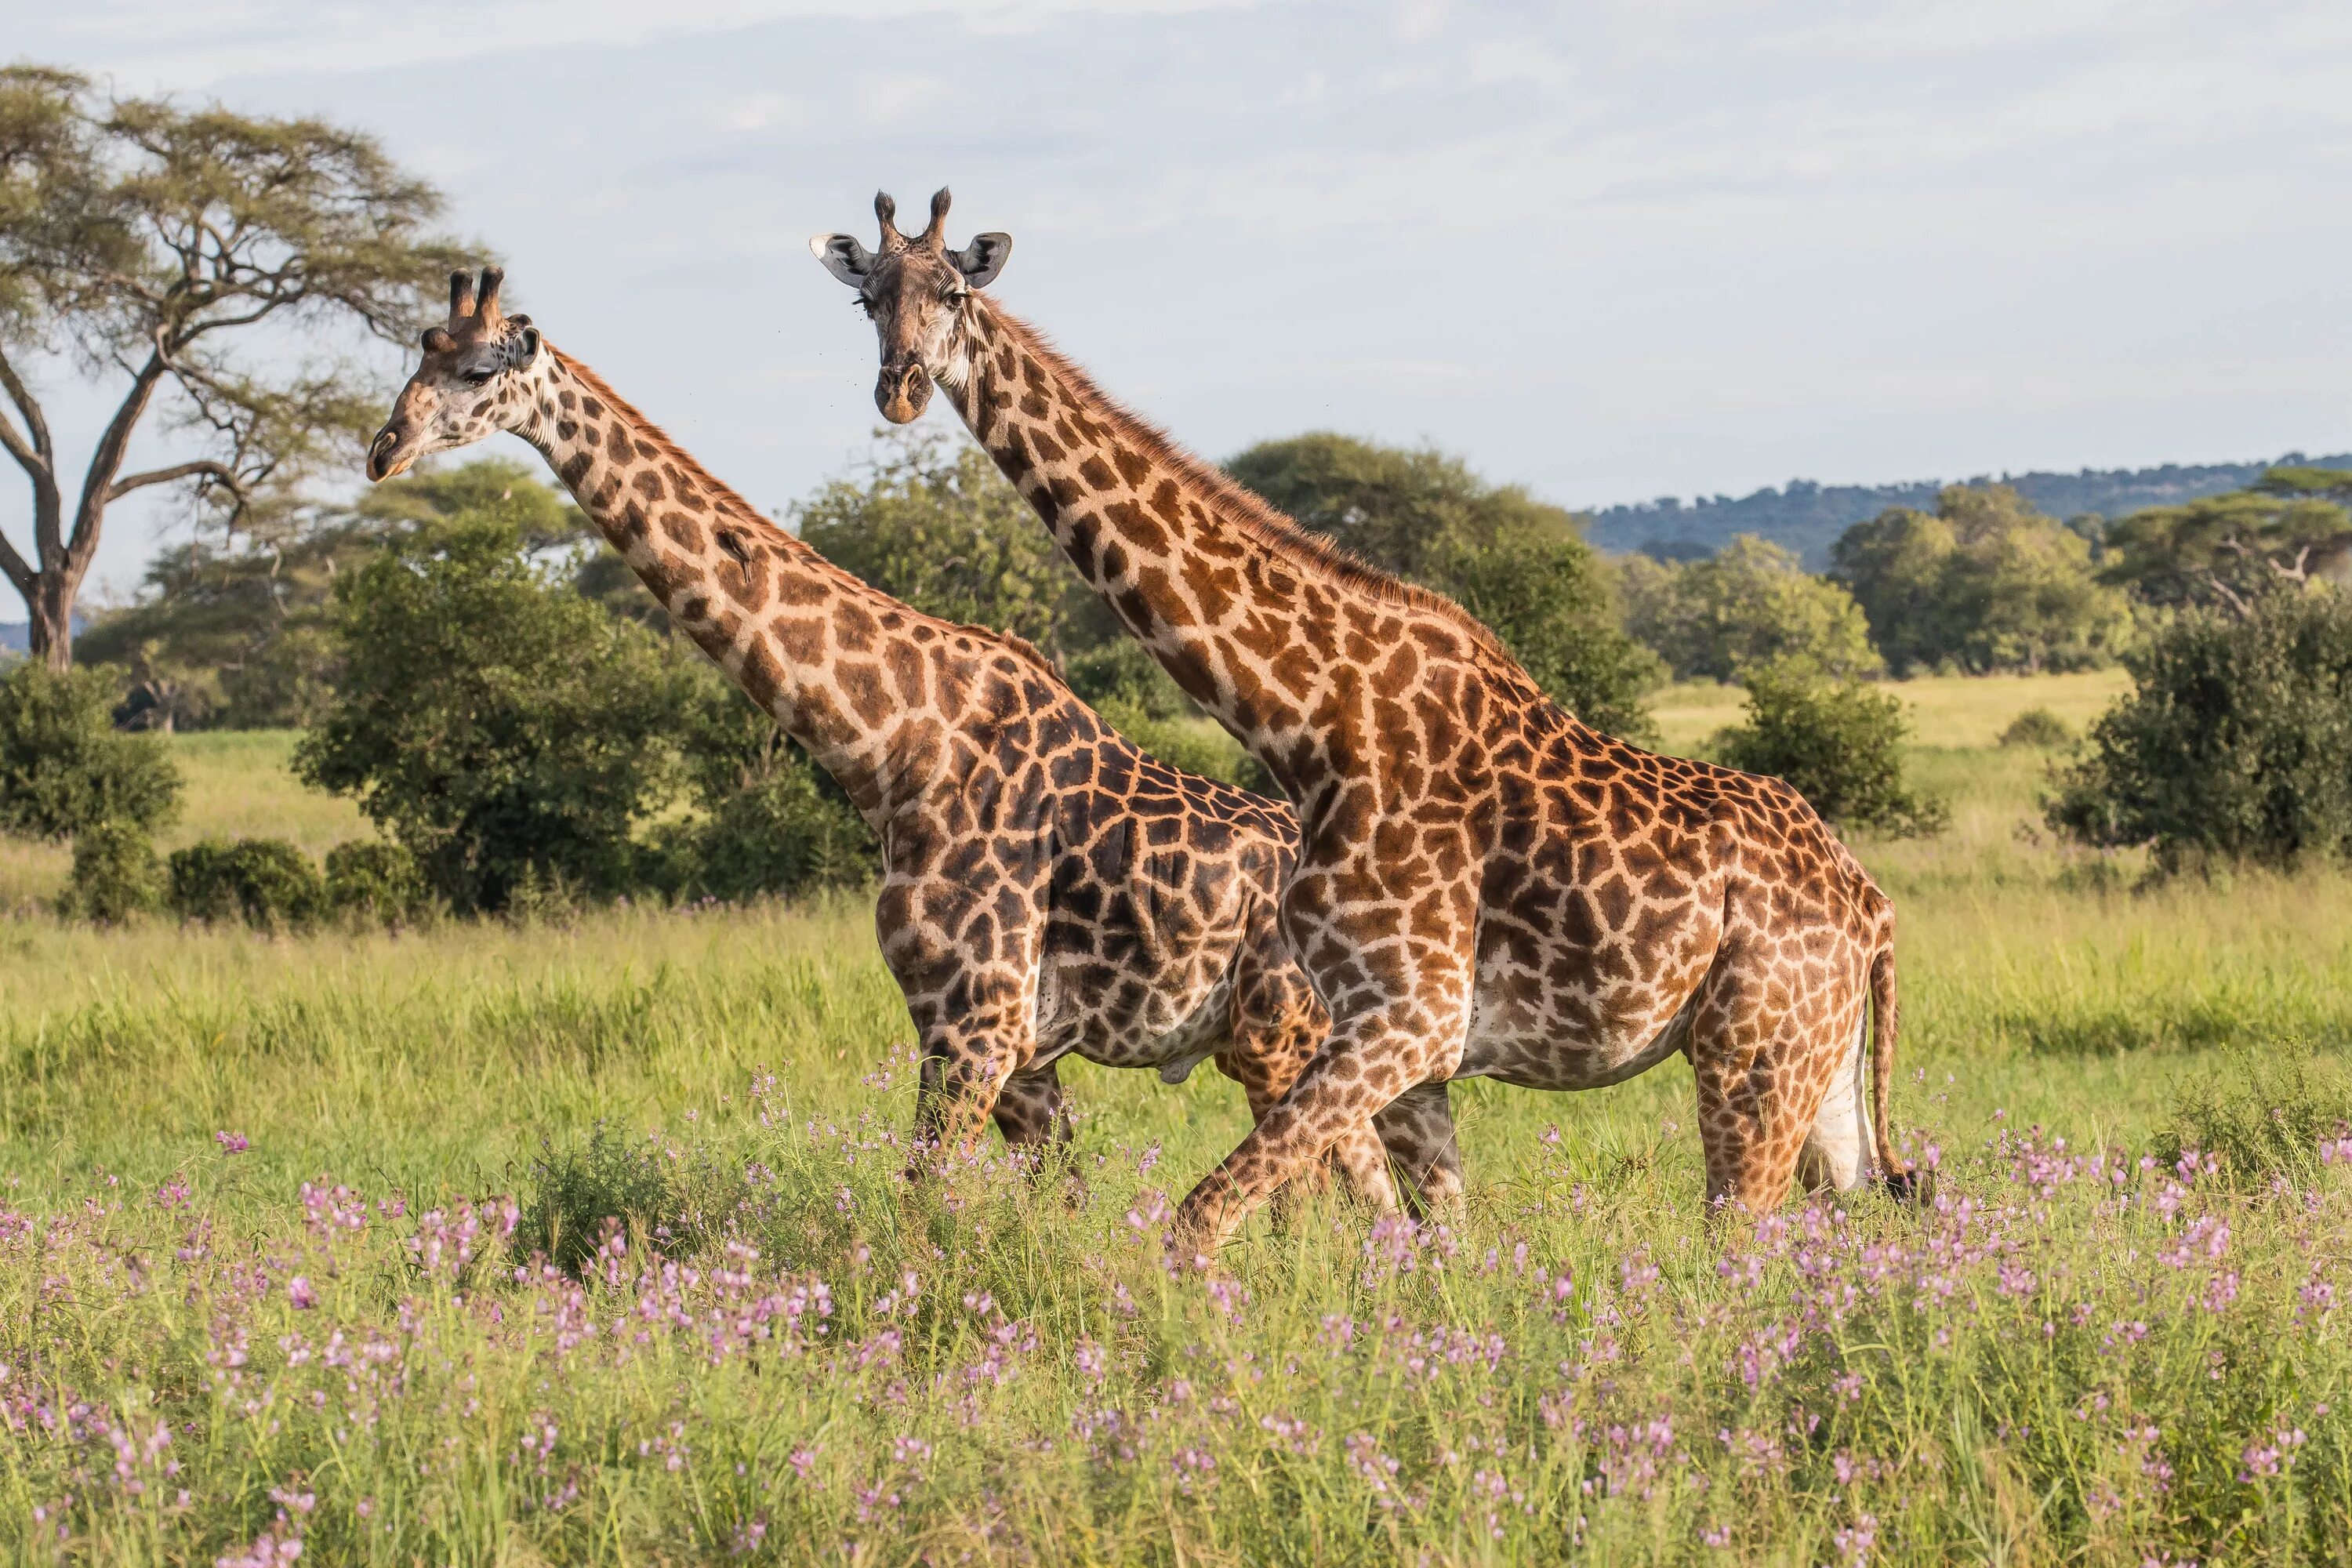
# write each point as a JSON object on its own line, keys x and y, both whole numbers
{"x": 115, "y": 875}
{"x": 373, "y": 880}
{"x": 679, "y": 1205}
{"x": 1120, "y": 671}
{"x": 1750, "y": 602}
{"x": 1194, "y": 745}
{"x": 1837, "y": 743}
{"x": 782, "y": 834}
{"x": 772, "y": 823}
{"x": 2264, "y": 1115}
{"x": 494, "y": 723}
{"x": 2231, "y": 746}
{"x": 65, "y": 769}
{"x": 265, "y": 882}
{"x": 2037, "y": 727}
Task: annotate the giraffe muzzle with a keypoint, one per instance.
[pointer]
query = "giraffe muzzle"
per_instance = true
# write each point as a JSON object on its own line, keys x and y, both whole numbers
{"x": 383, "y": 458}
{"x": 901, "y": 392}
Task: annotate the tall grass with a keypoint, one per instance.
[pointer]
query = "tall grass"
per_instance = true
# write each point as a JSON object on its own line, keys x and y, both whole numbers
{"x": 765, "y": 1344}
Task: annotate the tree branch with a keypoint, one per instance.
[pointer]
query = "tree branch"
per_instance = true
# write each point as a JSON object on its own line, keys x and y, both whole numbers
{"x": 29, "y": 447}
{"x": 17, "y": 570}
{"x": 220, "y": 474}
{"x": 107, "y": 458}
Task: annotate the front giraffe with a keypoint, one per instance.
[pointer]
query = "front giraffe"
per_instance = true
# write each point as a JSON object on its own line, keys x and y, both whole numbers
{"x": 1047, "y": 888}
{"x": 1486, "y": 886}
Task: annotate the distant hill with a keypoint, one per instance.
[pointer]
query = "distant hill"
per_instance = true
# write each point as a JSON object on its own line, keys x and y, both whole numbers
{"x": 1808, "y": 517}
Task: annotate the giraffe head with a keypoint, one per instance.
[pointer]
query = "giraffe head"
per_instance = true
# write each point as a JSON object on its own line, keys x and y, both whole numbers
{"x": 472, "y": 382}
{"x": 918, "y": 292}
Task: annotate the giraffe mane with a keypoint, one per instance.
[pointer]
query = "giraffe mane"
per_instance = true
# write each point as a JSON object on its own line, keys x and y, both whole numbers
{"x": 1252, "y": 516}
{"x": 719, "y": 490}
{"x": 724, "y": 495}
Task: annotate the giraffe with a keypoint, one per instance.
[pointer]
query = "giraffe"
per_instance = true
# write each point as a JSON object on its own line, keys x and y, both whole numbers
{"x": 1486, "y": 886}
{"x": 1047, "y": 888}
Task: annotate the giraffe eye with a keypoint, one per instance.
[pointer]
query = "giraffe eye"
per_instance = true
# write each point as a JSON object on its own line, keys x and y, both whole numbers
{"x": 479, "y": 377}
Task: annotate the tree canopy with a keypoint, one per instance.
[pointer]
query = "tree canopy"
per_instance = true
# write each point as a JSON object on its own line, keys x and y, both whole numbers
{"x": 141, "y": 244}
{"x": 1983, "y": 583}
{"x": 1749, "y": 604}
{"x": 937, "y": 526}
{"x": 2290, "y": 530}
{"x": 230, "y": 629}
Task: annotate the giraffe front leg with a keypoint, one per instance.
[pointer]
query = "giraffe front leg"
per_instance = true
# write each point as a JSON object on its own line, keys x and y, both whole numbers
{"x": 1365, "y": 1063}
{"x": 1033, "y": 1111}
{"x": 1279, "y": 1025}
{"x": 964, "y": 1073}
{"x": 1417, "y": 1133}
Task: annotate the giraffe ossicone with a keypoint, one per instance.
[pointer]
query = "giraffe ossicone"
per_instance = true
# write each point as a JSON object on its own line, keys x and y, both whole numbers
{"x": 1486, "y": 887}
{"x": 1047, "y": 888}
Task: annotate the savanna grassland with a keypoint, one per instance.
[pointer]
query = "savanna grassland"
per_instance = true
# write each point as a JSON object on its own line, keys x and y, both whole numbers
{"x": 278, "y": 1214}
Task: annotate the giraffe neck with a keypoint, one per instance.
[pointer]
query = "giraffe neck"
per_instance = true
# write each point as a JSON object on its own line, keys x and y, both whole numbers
{"x": 1270, "y": 628}
{"x": 799, "y": 635}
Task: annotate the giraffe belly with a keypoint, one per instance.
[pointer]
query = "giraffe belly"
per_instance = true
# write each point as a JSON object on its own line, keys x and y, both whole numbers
{"x": 1555, "y": 1053}
{"x": 1137, "y": 1036}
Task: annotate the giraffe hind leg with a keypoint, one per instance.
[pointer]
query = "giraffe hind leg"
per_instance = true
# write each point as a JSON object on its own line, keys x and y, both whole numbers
{"x": 1836, "y": 1153}
{"x": 1417, "y": 1132}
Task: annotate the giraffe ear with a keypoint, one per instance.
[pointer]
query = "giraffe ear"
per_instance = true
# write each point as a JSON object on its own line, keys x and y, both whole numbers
{"x": 844, "y": 257}
{"x": 526, "y": 345}
{"x": 983, "y": 258}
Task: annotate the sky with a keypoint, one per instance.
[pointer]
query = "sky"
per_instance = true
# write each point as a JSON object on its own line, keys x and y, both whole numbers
{"x": 1611, "y": 251}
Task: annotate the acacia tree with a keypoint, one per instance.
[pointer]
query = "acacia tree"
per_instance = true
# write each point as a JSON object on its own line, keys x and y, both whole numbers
{"x": 141, "y": 244}
{"x": 2291, "y": 529}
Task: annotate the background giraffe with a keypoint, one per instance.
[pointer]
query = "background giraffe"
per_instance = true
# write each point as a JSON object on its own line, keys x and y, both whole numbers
{"x": 1047, "y": 888}
{"x": 1486, "y": 886}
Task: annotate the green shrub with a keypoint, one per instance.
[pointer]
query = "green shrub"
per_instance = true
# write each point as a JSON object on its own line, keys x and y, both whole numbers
{"x": 115, "y": 875}
{"x": 2264, "y": 1114}
{"x": 64, "y": 768}
{"x": 1751, "y": 603}
{"x": 2232, "y": 744}
{"x": 1120, "y": 671}
{"x": 370, "y": 880}
{"x": 1837, "y": 743}
{"x": 678, "y": 1202}
{"x": 1195, "y": 745}
{"x": 266, "y": 882}
{"x": 492, "y": 720}
{"x": 2037, "y": 727}
{"x": 778, "y": 835}
{"x": 772, "y": 823}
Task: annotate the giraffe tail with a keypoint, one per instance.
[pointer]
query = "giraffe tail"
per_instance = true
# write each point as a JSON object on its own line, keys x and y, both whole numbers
{"x": 1902, "y": 1181}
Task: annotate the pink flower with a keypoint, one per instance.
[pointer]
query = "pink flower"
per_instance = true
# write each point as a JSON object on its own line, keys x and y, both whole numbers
{"x": 299, "y": 1291}
{"x": 234, "y": 1144}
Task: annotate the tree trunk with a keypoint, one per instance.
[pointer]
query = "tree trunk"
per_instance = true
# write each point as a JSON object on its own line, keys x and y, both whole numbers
{"x": 52, "y": 632}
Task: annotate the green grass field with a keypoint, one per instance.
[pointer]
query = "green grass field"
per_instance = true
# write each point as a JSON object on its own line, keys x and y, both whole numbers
{"x": 257, "y": 1285}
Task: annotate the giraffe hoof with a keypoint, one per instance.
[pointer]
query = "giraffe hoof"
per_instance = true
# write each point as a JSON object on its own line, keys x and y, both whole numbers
{"x": 1916, "y": 1188}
